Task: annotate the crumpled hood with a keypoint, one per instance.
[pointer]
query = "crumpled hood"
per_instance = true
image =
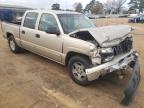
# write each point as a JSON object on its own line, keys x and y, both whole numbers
{"x": 109, "y": 33}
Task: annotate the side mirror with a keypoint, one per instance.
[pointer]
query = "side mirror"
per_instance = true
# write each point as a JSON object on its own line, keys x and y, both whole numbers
{"x": 53, "y": 30}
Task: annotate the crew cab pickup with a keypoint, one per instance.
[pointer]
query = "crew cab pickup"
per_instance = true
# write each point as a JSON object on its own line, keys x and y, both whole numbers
{"x": 71, "y": 39}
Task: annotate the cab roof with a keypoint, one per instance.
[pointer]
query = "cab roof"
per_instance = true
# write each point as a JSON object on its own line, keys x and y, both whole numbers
{"x": 53, "y": 11}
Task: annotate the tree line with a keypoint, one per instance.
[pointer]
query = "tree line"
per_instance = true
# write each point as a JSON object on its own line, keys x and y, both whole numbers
{"x": 108, "y": 7}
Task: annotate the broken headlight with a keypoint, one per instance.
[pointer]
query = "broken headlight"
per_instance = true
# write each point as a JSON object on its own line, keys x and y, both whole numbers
{"x": 107, "y": 54}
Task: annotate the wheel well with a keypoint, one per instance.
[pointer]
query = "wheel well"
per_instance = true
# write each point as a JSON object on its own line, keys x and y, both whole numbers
{"x": 71, "y": 54}
{"x": 9, "y": 34}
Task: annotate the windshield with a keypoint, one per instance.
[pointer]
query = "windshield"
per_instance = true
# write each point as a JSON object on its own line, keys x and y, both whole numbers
{"x": 72, "y": 22}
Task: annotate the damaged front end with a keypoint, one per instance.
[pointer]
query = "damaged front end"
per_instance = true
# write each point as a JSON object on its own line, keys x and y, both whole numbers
{"x": 111, "y": 54}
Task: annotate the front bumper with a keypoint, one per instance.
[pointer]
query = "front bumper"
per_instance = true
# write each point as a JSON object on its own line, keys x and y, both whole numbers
{"x": 118, "y": 63}
{"x": 133, "y": 83}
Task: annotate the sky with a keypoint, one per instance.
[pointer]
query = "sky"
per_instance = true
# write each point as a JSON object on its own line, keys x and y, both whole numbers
{"x": 65, "y": 4}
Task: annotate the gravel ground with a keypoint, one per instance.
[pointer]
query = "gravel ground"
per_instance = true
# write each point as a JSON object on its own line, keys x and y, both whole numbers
{"x": 30, "y": 81}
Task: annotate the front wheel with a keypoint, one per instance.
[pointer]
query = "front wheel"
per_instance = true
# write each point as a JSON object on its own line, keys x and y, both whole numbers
{"x": 13, "y": 45}
{"x": 76, "y": 67}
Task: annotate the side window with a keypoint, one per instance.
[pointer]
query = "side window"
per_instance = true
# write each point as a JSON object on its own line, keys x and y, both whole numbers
{"x": 47, "y": 21}
{"x": 30, "y": 20}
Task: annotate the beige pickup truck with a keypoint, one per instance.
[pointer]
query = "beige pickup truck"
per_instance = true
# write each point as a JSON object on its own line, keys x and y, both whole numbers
{"x": 71, "y": 39}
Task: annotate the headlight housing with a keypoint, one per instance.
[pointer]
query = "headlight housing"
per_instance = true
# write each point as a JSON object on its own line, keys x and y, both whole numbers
{"x": 107, "y": 54}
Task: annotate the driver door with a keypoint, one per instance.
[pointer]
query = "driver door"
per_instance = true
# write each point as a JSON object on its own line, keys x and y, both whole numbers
{"x": 48, "y": 45}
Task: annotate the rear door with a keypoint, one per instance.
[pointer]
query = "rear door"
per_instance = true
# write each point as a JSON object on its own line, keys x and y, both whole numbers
{"x": 27, "y": 31}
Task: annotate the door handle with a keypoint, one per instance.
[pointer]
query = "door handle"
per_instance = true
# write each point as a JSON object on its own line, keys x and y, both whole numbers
{"x": 37, "y": 36}
{"x": 23, "y": 32}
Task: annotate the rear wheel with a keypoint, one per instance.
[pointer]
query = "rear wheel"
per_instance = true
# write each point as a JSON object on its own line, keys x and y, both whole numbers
{"x": 13, "y": 45}
{"x": 76, "y": 67}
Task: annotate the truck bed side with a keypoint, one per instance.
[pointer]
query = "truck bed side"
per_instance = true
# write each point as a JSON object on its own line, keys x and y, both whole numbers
{"x": 11, "y": 29}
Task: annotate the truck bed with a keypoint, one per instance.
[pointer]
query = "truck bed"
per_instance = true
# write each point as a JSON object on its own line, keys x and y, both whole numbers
{"x": 12, "y": 28}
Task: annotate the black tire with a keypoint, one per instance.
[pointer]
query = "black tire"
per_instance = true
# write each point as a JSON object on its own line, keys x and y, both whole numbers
{"x": 86, "y": 63}
{"x": 15, "y": 49}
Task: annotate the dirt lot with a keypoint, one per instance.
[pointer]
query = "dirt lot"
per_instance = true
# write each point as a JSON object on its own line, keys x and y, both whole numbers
{"x": 30, "y": 81}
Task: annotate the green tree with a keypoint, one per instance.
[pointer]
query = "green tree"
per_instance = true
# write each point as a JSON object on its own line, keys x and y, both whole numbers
{"x": 55, "y": 6}
{"x": 90, "y": 5}
{"x": 136, "y": 5}
{"x": 78, "y": 7}
{"x": 95, "y": 7}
